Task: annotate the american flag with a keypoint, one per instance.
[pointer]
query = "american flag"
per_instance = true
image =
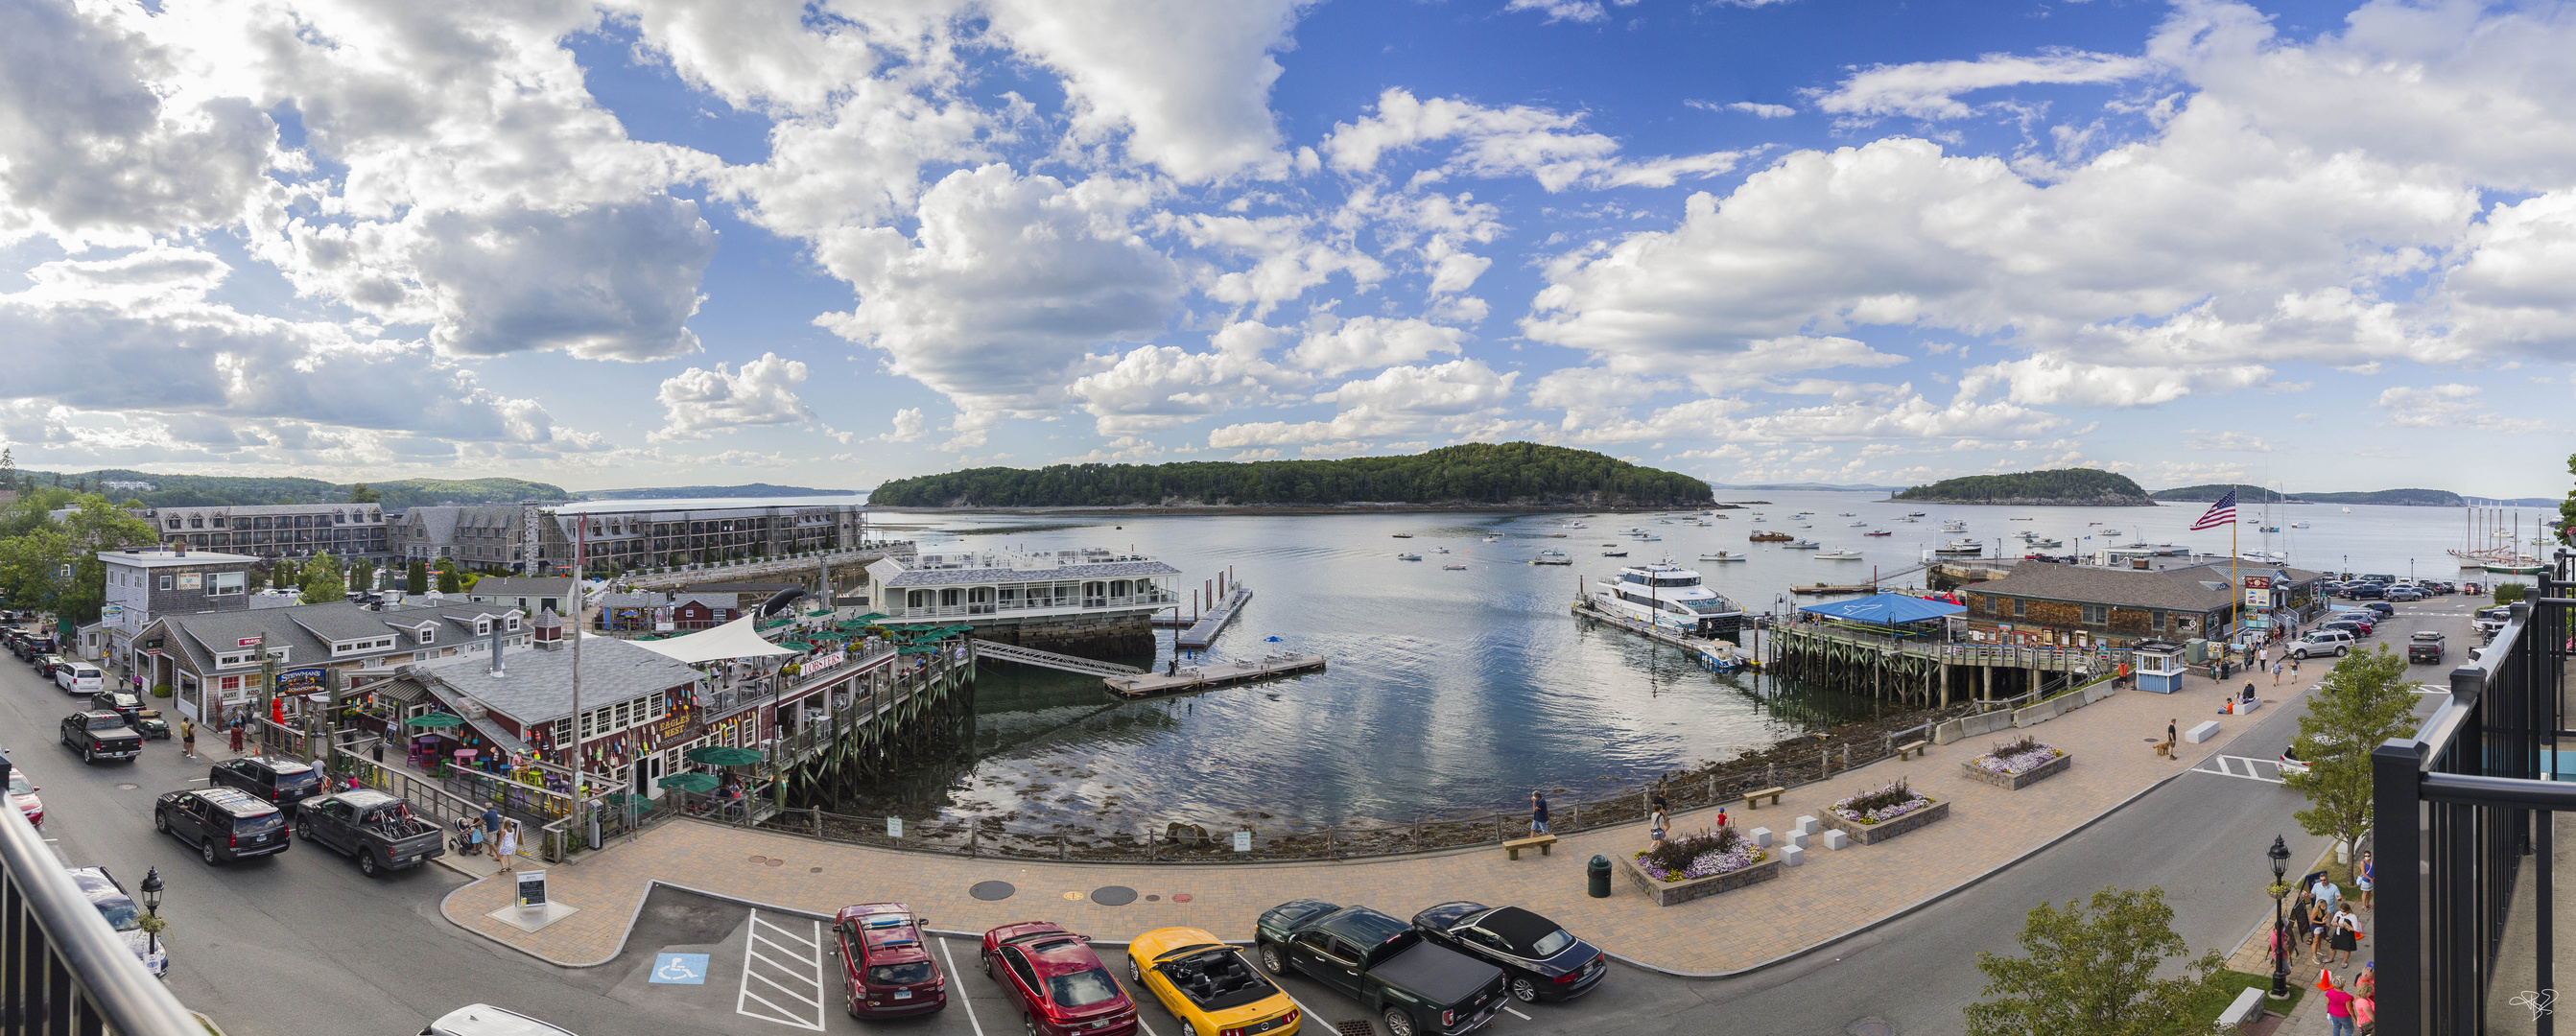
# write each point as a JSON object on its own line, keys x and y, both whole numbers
{"x": 2221, "y": 513}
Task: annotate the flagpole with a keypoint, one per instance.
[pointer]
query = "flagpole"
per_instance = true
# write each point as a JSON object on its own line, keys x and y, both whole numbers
{"x": 2238, "y": 608}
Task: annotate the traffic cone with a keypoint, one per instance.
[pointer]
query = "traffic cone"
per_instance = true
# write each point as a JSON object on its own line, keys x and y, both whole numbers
{"x": 2325, "y": 978}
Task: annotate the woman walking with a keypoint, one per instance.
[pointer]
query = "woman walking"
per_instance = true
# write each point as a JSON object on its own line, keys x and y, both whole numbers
{"x": 1656, "y": 827}
{"x": 509, "y": 848}
{"x": 187, "y": 738}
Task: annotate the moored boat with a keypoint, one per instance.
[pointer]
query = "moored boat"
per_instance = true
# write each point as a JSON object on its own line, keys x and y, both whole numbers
{"x": 1551, "y": 556}
{"x": 1838, "y": 554}
{"x": 1670, "y": 597}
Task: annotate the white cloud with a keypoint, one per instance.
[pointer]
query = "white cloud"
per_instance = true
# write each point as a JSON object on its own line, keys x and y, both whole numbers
{"x": 2229, "y": 442}
{"x": 1496, "y": 142}
{"x": 1448, "y": 397}
{"x": 764, "y": 393}
{"x": 1754, "y": 108}
{"x": 2450, "y": 406}
{"x": 1365, "y": 342}
{"x": 1154, "y": 387}
{"x": 1187, "y": 82}
{"x": 2050, "y": 379}
{"x": 1928, "y": 90}
{"x": 908, "y": 426}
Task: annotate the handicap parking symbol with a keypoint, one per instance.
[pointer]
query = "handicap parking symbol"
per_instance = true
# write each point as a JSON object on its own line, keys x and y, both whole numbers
{"x": 680, "y": 969}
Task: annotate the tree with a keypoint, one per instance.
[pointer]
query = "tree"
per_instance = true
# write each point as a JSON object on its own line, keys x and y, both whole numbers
{"x": 322, "y": 580}
{"x": 9, "y": 467}
{"x": 447, "y": 583}
{"x": 362, "y": 573}
{"x": 416, "y": 577}
{"x": 285, "y": 575}
{"x": 2093, "y": 973}
{"x": 2365, "y": 700}
{"x": 2507, "y": 593}
{"x": 34, "y": 559}
{"x": 360, "y": 494}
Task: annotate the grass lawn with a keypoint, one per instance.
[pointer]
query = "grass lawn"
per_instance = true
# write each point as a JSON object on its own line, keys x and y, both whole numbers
{"x": 2230, "y": 983}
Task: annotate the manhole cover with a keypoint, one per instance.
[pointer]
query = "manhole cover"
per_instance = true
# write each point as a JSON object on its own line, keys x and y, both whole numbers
{"x": 1871, "y": 1027}
{"x": 1355, "y": 1027}
{"x": 127, "y": 787}
{"x": 1113, "y": 895}
{"x": 1180, "y": 897}
{"x": 760, "y": 859}
{"x": 776, "y": 862}
{"x": 1154, "y": 898}
{"x": 992, "y": 890}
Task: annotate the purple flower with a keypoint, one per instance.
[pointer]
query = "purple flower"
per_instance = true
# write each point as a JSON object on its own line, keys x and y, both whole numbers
{"x": 2017, "y": 763}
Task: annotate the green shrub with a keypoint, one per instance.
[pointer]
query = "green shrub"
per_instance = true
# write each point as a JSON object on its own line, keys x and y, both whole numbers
{"x": 2507, "y": 593}
{"x": 160, "y": 690}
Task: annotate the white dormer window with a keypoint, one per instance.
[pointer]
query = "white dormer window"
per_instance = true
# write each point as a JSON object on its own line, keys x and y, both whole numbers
{"x": 482, "y": 626}
{"x": 512, "y": 623}
{"x": 428, "y": 634}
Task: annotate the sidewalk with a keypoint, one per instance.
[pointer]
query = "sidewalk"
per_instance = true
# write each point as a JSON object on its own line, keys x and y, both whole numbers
{"x": 1834, "y": 894}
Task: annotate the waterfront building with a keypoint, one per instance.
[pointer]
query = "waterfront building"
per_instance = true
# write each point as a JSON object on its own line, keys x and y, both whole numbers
{"x": 1090, "y": 602}
{"x": 211, "y": 661}
{"x": 272, "y": 531}
{"x": 667, "y": 612}
{"x": 494, "y": 538}
{"x": 2062, "y": 605}
{"x": 480, "y": 538}
{"x": 530, "y": 594}
{"x": 638, "y": 707}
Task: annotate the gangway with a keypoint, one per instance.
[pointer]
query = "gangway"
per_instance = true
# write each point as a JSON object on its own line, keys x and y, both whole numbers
{"x": 997, "y": 650}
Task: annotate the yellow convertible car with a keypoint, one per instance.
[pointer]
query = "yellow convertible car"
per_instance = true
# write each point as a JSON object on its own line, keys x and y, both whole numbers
{"x": 1208, "y": 985}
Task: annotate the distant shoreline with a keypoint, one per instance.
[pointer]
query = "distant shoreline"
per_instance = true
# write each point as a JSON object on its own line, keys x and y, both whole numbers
{"x": 2018, "y": 503}
{"x": 1210, "y": 509}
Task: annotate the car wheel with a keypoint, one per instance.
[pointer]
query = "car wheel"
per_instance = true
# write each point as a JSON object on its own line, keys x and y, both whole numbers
{"x": 853, "y": 1004}
{"x": 367, "y": 864}
{"x": 90, "y": 755}
{"x": 991, "y": 970}
{"x": 1271, "y": 961}
{"x": 1398, "y": 1022}
{"x": 161, "y": 821}
{"x": 2342, "y": 650}
{"x": 1029, "y": 1025}
{"x": 1135, "y": 974}
{"x": 207, "y": 850}
{"x": 1525, "y": 991}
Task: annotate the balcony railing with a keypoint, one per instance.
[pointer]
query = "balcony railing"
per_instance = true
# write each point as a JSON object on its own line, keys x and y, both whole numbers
{"x": 63, "y": 971}
{"x": 944, "y": 611}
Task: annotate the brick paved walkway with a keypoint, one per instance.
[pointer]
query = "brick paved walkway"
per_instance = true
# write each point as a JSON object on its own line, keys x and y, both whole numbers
{"x": 1834, "y": 894}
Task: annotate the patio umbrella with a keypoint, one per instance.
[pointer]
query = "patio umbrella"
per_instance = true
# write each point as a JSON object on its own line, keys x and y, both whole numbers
{"x": 872, "y": 617}
{"x": 620, "y": 800}
{"x": 693, "y": 782}
{"x": 723, "y": 755}
{"x": 438, "y": 719}
{"x": 798, "y": 645}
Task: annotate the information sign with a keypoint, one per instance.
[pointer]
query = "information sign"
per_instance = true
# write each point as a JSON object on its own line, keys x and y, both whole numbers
{"x": 894, "y": 827}
{"x": 532, "y": 890}
{"x": 1243, "y": 841}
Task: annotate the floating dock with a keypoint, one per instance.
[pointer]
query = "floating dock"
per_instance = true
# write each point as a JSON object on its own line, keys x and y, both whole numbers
{"x": 1212, "y": 675}
{"x": 1201, "y": 633}
{"x": 1713, "y": 655}
{"x": 1829, "y": 588}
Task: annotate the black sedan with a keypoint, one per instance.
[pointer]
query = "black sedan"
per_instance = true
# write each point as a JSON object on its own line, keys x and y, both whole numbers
{"x": 1540, "y": 960}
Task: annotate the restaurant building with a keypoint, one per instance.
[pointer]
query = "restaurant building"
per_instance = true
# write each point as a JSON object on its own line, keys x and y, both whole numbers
{"x": 2044, "y": 603}
{"x": 212, "y": 661}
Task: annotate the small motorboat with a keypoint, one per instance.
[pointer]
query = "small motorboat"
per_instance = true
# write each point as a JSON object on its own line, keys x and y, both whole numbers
{"x": 1721, "y": 556}
{"x": 1844, "y": 514}
{"x": 2111, "y": 532}
{"x": 1914, "y": 514}
{"x": 1770, "y": 537}
{"x": 1403, "y": 535}
{"x": 1493, "y": 539}
{"x": 1969, "y": 547}
{"x": 1954, "y": 525}
{"x": 1614, "y": 553}
{"x": 1803, "y": 545}
{"x": 1440, "y": 550}
{"x": 1551, "y": 556}
{"x": 1838, "y": 554}
{"x": 1881, "y": 532}
{"x": 1454, "y": 568}
{"x": 1858, "y": 525}
{"x": 1408, "y": 557}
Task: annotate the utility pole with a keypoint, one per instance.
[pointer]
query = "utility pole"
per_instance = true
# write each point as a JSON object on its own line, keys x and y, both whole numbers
{"x": 581, "y": 539}
{"x": 267, "y": 680}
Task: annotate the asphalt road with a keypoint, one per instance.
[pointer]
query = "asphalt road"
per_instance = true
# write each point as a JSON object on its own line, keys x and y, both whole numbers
{"x": 301, "y": 942}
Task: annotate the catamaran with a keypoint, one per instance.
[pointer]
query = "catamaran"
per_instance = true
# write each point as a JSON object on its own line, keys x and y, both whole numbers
{"x": 1670, "y": 597}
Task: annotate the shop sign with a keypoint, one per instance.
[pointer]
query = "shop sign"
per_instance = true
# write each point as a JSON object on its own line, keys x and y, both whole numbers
{"x": 191, "y": 581}
{"x": 299, "y": 681}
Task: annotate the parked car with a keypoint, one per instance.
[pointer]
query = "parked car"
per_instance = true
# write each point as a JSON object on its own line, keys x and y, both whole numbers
{"x": 1208, "y": 985}
{"x": 276, "y": 778}
{"x": 377, "y": 828}
{"x": 46, "y": 663}
{"x": 487, "y": 1020}
{"x": 29, "y": 647}
{"x": 1414, "y": 987}
{"x": 223, "y": 823}
{"x": 2357, "y": 627}
{"x": 2424, "y": 648}
{"x": 1058, "y": 986}
{"x": 2321, "y": 642}
{"x": 2404, "y": 593}
{"x": 79, "y": 678}
{"x": 2362, "y": 592}
{"x": 2382, "y": 609}
{"x": 22, "y": 793}
{"x": 886, "y": 967}
{"x": 1540, "y": 960}
{"x": 145, "y": 721}
{"x": 100, "y": 735}
{"x": 124, "y": 915}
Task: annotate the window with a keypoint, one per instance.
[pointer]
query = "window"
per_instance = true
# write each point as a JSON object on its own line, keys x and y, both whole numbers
{"x": 427, "y": 634}
{"x": 197, "y": 522}
{"x": 224, "y": 584}
{"x": 2096, "y": 614}
{"x": 165, "y": 582}
{"x": 174, "y": 523}
{"x": 2020, "y": 608}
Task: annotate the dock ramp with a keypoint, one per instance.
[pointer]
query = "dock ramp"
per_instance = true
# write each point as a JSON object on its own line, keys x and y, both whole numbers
{"x": 999, "y": 651}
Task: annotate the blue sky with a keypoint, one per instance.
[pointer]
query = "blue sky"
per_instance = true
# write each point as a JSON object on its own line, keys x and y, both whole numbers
{"x": 652, "y": 242}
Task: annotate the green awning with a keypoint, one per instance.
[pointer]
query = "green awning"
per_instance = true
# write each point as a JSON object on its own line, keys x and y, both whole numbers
{"x": 798, "y": 645}
{"x": 723, "y": 755}
{"x": 438, "y": 719}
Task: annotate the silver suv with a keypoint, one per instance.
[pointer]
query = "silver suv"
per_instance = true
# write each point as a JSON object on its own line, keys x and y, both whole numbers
{"x": 2321, "y": 642}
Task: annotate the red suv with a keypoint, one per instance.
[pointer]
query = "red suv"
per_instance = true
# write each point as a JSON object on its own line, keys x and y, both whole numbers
{"x": 1058, "y": 984}
{"x": 885, "y": 962}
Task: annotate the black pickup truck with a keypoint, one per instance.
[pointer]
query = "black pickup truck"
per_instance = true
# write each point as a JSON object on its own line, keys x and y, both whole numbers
{"x": 1417, "y": 988}
{"x": 101, "y": 734}
{"x": 377, "y": 828}
{"x": 2424, "y": 648}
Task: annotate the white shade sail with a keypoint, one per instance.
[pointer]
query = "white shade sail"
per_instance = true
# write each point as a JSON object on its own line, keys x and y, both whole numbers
{"x": 736, "y": 639}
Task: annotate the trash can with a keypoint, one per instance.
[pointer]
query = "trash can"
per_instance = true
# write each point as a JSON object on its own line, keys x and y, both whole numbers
{"x": 1599, "y": 870}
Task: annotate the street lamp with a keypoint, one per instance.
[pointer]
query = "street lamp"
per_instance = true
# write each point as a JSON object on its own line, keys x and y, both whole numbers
{"x": 2280, "y": 854}
{"x": 152, "y": 909}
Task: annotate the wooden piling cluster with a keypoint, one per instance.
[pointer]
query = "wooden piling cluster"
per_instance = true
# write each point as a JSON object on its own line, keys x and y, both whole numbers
{"x": 1858, "y": 663}
{"x": 888, "y": 721}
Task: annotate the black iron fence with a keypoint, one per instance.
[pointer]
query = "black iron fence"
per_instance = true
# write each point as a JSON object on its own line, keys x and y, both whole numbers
{"x": 2464, "y": 812}
{"x": 63, "y": 971}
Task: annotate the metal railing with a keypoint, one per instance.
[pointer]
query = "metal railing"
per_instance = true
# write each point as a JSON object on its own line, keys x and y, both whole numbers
{"x": 2463, "y": 818}
{"x": 942, "y": 611}
{"x": 63, "y": 971}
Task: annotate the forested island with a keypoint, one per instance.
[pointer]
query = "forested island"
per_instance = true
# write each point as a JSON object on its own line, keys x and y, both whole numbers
{"x": 2065, "y": 487}
{"x": 2257, "y": 495}
{"x": 1512, "y": 474}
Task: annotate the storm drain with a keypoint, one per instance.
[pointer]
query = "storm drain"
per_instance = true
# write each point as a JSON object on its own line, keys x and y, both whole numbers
{"x": 1355, "y": 1027}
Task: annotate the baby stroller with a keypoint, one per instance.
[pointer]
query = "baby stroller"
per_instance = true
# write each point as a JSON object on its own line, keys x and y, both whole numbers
{"x": 467, "y": 839}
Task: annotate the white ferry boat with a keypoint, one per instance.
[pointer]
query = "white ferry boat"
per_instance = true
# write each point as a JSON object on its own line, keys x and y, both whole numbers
{"x": 1671, "y": 597}
{"x": 1065, "y": 600}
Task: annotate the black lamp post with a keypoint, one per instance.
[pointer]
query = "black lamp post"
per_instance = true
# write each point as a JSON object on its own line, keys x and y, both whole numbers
{"x": 152, "y": 907}
{"x": 2280, "y": 854}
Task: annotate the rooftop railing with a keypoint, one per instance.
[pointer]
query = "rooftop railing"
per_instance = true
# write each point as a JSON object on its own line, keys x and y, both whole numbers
{"x": 63, "y": 971}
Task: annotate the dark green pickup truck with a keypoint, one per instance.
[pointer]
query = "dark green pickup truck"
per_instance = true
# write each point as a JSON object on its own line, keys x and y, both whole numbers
{"x": 1416, "y": 988}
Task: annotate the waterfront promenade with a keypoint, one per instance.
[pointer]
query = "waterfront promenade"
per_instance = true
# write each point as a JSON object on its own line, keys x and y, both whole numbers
{"x": 1832, "y": 895}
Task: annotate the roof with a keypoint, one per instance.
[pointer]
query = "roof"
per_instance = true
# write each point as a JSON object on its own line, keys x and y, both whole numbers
{"x": 1062, "y": 573}
{"x": 171, "y": 559}
{"x": 1885, "y": 608}
{"x": 736, "y": 639}
{"x": 2194, "y": 587}
{"x": 536, "y": 686}
{"x": 296, "y": 627}
{"x": 522, "y": 586}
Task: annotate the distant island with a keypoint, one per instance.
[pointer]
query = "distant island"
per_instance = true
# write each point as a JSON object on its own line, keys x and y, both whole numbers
{"x": 2065, "y": 487}
{"x": 2259, "y": 495}
{"x": 1512, "y": 474}
{"x": 1818, "y": 487}
{"x": 707, "y": 492}
{"x": 155, "y": 490}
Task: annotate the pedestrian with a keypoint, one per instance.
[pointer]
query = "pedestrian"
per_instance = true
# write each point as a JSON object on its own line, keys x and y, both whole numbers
{"x": 2338, "y": 1008}
{"x": 1656, "y": 825}
{"x": 2362, "y": 878}
{"x": 1538, "y": 813}
{"x": 2262, "y": 656}
{"x": 2277, "y": 667}
{"x": 508, "y": 850}
{"x": 187, "y": 738}
{"x": 237, "y": 733}
{"x": 1721, "y": 816}
{"x": 2347, "y": 936}
{"x": 492, "y": 829}
{"x": 2318, "y": 922}
{"x": 473, "y": 836}
{"x": 2294, "y": 668}
{"x": 2366, "y": 984}
{"x": 2327, "y": 892}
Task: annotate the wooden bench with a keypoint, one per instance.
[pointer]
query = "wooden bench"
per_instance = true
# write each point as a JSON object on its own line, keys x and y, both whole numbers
{"x": 1916, "y": 748}
{"x": 1538, "y": 842}
{"x": 1750, "y": 796}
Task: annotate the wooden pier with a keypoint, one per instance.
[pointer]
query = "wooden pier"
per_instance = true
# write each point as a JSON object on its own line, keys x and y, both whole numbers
{"x": 1828, "y": 588}
{"x": 1212, "y": 675}
{"x": 1922, "y": 669}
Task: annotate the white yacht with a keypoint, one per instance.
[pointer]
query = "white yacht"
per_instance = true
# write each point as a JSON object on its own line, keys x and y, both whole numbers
{"x": 1671, "y": 597}
{"x": 1721, "y": 555}
{"x": 1838, "y": 554}
{"x": 1801, "y": 545}
{"x": 1967, "y": 547}
{"x": 1954, "y": 525}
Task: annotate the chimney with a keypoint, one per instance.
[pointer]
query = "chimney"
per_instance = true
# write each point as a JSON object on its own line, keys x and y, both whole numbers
{"x": 497, "y": 671}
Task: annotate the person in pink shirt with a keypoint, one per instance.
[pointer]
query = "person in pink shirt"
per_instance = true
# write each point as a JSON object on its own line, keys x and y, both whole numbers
{"x": 2338, "y": 1009}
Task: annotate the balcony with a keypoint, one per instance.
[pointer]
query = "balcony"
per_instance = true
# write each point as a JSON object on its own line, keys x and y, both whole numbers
{"x": 949, "y": 611}
{"x": 68, "y": 972}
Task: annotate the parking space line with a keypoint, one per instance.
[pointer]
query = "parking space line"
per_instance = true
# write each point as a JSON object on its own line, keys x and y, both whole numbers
{"x": 1516, "y": 1012}
{"x": 2226, "y": 768}
{"x": 744, "y": 996}
{"x": 960, "y": 981}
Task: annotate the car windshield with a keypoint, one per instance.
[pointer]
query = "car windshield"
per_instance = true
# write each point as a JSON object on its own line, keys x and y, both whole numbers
{"x": 111, "y": 721}
{"x": 121, "y": 913}
{"x": 1082, "y": 988}
{"x": 18, "y": 784}
{"x": 900, "y": 974}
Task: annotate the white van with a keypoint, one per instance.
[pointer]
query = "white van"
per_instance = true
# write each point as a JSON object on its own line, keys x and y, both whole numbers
{"x": 487, "y": 1020}
{"x": 80, "y": 678}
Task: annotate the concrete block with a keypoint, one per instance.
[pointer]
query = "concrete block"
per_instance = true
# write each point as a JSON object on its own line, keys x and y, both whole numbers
{"x": 1761, "y": 836}
{"x": 1793, "y": 855}
{"x": 2203, "y": 731}
{"x": 1794, "y": 839}
{"x": 1946, "y": 733}
{"x": 1807, "y": 825}
{"x": 1836, "y": 840}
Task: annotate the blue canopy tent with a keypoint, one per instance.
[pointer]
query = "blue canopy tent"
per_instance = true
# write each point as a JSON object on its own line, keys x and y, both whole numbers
{"x": 1888, "y": 610}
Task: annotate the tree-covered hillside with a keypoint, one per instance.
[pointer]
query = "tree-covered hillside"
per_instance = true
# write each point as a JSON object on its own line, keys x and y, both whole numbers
{"x": 2210, "y": 492}
{"x": 1475, "y": 473}
{"x": 240, "y": 490}
{"x": 2075, "y": 486}
{"x": 2256, "y": 495}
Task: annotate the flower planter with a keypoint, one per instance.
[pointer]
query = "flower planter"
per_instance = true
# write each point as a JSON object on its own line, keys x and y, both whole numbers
{"x": 1669, "y": 893}
{"x": 2024, "y": 779}
{"x": 1872, "y": 834}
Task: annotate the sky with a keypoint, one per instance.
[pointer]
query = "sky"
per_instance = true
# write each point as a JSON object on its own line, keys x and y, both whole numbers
{"x": 658, "y": 242}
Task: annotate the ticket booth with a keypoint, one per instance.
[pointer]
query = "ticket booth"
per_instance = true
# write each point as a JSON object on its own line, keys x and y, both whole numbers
{"x": 2160, "y": 666}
